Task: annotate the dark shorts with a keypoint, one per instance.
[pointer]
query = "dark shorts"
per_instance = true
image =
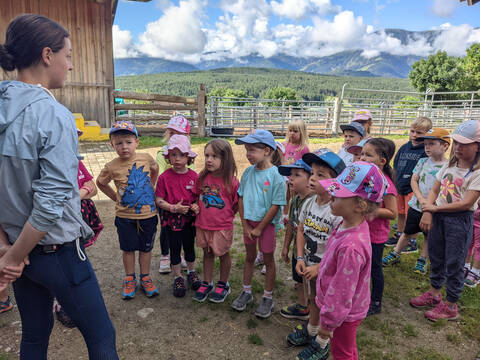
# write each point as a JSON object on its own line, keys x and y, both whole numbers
{"x": 297, "y": 278}
{"x": 412, "y": 224}
{"x": 136, "y": 235}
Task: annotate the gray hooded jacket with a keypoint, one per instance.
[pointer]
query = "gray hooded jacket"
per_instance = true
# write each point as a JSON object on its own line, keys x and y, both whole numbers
{"x": 38, "y": 165}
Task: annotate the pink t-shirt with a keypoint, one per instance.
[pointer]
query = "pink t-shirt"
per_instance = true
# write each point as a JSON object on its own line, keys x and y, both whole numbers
{"x": 294, "y": 152}
{"x": 217, "y": 204}
{"x": 380, "y": 227}
{"x": 83, "y": 176}
{"x": 343, "y": 281}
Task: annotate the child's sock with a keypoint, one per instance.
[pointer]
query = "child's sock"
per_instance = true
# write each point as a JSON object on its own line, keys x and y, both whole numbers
{"x": 323, "y": 342}
{"x": 247, "y": 288}
{"x": 468, "y": 266}
{"x": 475, "y": 271}
{"x": 267, "y": 294}
{"x": 312, "y": 330}
{"x": 143, "y": 275}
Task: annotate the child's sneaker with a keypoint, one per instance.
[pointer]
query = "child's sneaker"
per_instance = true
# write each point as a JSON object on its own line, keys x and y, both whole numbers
{"x": 295, "y": 311}
{"x": 420, "y": 266}
{"x": 264, "y": 270}
{"x": 442, "y": 311}
{"x": 314, "y": 351}
{"x": 392, "y": 241}
{"x": 472, "y": 279}
{"x": 148, "y": 287}
{"x": 6, "y": 305}
{"x": 299, "y": 336}
{"x": 129, "y": 287}
{"x": 183, "y": 262}
{"x": 64, "y": 319}
{"x": 264, "y": 310}
{"x": 242, "y": 301}
{"x": 202, "y": 293}
{"x": 193, "y": 281}
{"x": 221, "y": 292}
{"x": 411, "y": 247}
{"x": 425, "y": 300}
{"x": 259, "y": 259}
{"x": 374, "y": 308}
{"x": 391, "y": 259}
{"x": 179, "y": 288}
{"x": 164, "y": 265}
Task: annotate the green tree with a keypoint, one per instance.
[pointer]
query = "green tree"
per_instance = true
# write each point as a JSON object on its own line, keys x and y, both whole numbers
{"x": 438, "y": 72}
{"x": 229, "y": 93}
{"x": 471, "y": 66}
{"x": 281, "y": 93}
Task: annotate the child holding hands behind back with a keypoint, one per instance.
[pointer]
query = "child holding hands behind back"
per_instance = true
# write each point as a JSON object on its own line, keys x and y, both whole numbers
{"x": 262, "y": 194}
{"x": 343, "y": 281}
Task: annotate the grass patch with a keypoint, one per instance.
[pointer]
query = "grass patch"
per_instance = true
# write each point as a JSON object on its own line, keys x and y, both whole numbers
{"x": 255, "y": 339}
{"x": 240, "y": 260}
{"x": 425, "y": 354}
{"x": 438, "y": 324}
{"x": 409, "y": 330}
{"x": 252, "y": 323}
{"x": 203, "y": 319}
{"x": 157, "y": 141}
{"x": 454, "y": 338}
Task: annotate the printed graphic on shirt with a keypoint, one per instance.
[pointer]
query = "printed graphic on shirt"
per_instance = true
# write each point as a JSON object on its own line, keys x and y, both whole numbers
{"x": 316, "y": 231}
{"x": 139, "y": 190}
{"x": 211, "y": 196}
{"x": 450, "y": 188}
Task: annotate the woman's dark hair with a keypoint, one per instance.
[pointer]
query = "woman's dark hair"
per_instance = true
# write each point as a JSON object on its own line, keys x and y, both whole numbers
{"x": 384, "y": 148}
{"x": 27, "y": 35}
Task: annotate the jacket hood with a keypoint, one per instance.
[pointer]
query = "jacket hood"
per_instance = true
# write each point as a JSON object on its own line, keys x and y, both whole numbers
{"x": 15, "y": 96}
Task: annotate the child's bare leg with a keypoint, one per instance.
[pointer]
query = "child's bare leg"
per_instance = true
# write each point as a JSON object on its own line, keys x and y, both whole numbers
{"x": 208, "y": 261}
{"x": 129, "y": 262}
{"x": 301, "y": 295}
{"x": 144, "y": 259}
{"x": 3, "y": 295}
{"x": 402, "y": 242}
{"x": 225, "y": 266}
{"x": 402, "y": 218}
{"x": 251, "y": 250}
{"x": 269, "y": 261}
{"x": 177, "y": 270}
{"x": 314, "y": 318}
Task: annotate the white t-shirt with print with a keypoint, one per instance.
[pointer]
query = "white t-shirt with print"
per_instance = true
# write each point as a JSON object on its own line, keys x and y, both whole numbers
{"x": 318, "y": 224}
{"x": 427, "y": 170}
{"x": 454, "y": 184}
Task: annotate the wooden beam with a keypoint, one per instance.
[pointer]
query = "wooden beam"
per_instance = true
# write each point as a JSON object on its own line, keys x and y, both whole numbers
{"x": 155, "y": 107}
{"x": 142, "y": 118}
{"x": 154, "y": 97}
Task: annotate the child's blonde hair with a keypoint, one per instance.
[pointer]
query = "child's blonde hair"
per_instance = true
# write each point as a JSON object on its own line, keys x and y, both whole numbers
{"x": 369, "y": 206}
{"x": 301, "y": 127}
{"x": 422, "y": 122}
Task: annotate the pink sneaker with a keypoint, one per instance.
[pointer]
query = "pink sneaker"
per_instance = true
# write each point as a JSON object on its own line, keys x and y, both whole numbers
{"x": 425, "y": 300}
{"x": 442, "y": 311}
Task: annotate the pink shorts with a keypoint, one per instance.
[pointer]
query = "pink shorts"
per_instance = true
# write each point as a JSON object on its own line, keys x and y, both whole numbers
{"x": 266, "y": 240}
{"x": 220, "y": 241}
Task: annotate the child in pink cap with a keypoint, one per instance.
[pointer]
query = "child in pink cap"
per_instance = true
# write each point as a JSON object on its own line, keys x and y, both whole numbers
{"x": 175, "y": 195}
{"x": 343, "y": 281}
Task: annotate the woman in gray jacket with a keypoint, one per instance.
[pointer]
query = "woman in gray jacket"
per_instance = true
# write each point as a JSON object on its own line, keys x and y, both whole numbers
{"x": 40, "y": 207}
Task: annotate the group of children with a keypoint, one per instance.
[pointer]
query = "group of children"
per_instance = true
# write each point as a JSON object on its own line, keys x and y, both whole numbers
{"x": 337, "y": 217}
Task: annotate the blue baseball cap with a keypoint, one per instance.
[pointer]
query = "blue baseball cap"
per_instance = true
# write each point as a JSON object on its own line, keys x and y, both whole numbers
{"x": 355, "y": 126}
{"x": 359, "y": 146}
{"x": 286, "y": 170}
{"x": 325, "y": 157}
{"x": 258, "y": 136}
{"x": 123, "y": 125}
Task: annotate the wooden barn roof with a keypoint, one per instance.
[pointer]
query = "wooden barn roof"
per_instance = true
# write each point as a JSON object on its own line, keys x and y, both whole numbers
{"x": 115, "y": 3}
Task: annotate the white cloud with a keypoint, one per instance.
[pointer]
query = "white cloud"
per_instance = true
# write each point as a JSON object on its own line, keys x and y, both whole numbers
{"x": 178, "y": 33}
{"x": 444, "y": 8}
{"x": 299, "y": 9}
{"x": 455, "y": 39}
{"x": 122, "y": 43}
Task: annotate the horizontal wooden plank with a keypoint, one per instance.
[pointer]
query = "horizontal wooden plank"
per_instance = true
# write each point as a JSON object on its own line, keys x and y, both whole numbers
{"x": 154, "y": 97}
{"x": 155, "y": 107}
{"x": 158, "y": 131}
{"x": 140, "y": 118}
{"x": 80, "y": 84}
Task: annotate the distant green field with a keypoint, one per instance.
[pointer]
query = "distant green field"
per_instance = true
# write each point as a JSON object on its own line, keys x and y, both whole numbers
{"x": 255, "y": 82}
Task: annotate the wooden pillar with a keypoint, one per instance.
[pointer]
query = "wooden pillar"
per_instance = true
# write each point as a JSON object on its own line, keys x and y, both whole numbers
{"x": 201, "y": 97}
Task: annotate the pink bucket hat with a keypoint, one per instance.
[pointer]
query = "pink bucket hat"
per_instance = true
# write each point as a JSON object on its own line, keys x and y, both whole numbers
{"x": 467, "y": 132}
{"x": 180, "y": 142}
{"x": 180, "y": 124}
{"x": 362, "y": 115}
{"x": 359, "y": 179}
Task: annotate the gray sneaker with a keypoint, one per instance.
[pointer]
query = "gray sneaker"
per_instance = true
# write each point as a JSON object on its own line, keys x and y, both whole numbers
{"x": 241, "y": 302}
{"x": 264, "y": 310}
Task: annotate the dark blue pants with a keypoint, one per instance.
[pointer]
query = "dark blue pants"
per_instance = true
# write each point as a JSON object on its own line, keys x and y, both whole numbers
{"x": 62, "y": 275}
{"x": 448, "y": 243}
{"x": 378, "y": 280}
{"x": 177, "y": 240}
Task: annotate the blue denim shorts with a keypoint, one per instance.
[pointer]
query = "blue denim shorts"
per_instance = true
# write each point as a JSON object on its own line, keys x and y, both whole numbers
{"x": 136, "y": 235}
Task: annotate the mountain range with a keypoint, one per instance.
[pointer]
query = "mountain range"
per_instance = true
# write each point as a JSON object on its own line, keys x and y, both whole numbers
{"x": 345, "y": 63}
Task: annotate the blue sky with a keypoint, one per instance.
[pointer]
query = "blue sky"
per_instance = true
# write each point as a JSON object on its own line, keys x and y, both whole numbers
{"x": 195, "y": 30}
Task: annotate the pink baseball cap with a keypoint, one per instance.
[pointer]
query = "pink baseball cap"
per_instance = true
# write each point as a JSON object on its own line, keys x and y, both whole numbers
{"x": 358, "y": 179}
{"x": 180, "y": 124}
{"x": 362, "y": 115}
{"x": 180, "y": 142}
{"x": 467, "y": 132}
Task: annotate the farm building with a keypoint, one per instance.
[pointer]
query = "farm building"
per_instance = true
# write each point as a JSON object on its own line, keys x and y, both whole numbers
{"x": 89, "y": 86}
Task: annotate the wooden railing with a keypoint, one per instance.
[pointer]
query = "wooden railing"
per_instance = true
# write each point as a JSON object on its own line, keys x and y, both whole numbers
{"x": 144, "y": 109}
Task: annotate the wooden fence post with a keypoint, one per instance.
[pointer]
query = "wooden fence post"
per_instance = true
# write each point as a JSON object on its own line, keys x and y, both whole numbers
{"x": 202, "y": 123}
{"x": 336, "y": 116}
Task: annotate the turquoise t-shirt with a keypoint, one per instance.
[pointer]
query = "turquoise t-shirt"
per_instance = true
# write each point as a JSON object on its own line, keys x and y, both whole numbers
{"x": 260, "y": 190}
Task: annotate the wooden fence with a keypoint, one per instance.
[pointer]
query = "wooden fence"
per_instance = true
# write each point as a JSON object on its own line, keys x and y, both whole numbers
{"x": 150, "y": 112}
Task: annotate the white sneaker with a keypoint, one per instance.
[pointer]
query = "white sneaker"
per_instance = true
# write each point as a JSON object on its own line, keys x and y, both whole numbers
{"x": 264, "y": 270}
{"x": 164, "y": 265}
{"x": 258, "y": 259}
{"x": 184, "y": 263}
